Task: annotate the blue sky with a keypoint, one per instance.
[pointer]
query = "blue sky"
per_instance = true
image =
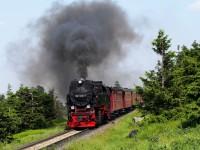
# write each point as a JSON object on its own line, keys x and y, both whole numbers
{"x": 179, "y": 18}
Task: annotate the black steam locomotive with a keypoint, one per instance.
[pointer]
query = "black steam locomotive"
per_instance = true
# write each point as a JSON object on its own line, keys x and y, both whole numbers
{"x": 90, "y": 102}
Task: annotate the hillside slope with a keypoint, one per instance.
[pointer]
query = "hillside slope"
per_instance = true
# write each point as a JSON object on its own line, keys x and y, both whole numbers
{"x": 152, "y": 136}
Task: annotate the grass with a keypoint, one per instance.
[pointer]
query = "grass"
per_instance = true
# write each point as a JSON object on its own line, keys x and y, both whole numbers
{"x": 156, "y": 136}
{"x": 30, "y": 136}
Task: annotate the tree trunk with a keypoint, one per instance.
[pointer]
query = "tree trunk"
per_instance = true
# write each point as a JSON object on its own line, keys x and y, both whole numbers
{"x": 162, "y": 71}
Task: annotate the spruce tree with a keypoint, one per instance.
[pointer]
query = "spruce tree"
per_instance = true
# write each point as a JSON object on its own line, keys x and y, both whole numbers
{"x": 161, "y": 46}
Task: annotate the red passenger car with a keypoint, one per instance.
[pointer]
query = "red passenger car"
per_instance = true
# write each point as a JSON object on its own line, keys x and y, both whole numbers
{"x": 128, "y": 101}
{"x": 116, "y": 100}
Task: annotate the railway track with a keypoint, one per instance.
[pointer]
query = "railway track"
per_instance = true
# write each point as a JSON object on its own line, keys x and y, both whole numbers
{"x": 58, "y": 141}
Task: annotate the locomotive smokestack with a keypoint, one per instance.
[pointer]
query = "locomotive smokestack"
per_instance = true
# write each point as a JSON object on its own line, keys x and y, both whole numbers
{"x": 74, "y": 38}
{"x": 82, "y": 70}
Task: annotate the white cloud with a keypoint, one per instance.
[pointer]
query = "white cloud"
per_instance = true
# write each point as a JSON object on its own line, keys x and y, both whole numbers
{"x": 195, "y": 6}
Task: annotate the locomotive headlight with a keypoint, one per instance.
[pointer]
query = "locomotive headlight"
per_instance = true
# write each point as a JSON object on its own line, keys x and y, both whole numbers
{"x": 80, "y": 81}
{"x": 72, "y": 107}
{"x": 88, "y": 106}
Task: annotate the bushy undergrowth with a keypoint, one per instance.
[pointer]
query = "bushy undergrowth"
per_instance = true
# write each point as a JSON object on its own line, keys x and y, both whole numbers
{"x": 189, "y": 115}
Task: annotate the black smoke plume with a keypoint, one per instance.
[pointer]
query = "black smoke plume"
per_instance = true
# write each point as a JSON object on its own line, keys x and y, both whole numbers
{"x": 74, "y": 38}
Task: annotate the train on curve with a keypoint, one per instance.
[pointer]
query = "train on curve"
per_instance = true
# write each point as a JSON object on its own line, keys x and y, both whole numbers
{"x": 91, "y": 103}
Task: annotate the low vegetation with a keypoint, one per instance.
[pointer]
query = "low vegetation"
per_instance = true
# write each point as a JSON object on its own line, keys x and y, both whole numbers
{"x": 29, "y": 136}
{"x": 150, "y": 136}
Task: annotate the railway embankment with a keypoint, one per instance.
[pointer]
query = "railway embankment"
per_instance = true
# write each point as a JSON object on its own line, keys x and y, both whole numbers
{"x": 128, "y": 133}
{"x": 31, "y": 136}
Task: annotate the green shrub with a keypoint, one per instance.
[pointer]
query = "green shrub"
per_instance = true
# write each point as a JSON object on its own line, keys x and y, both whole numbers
{"x": 192, "y": 121}
{"x": 38, "y": 121}
{"x": 186, "y": 144}
{"x": 9, "y": 123}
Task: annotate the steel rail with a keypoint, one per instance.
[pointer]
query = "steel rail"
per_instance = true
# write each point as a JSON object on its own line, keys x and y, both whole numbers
{"x": 53, "y": 140}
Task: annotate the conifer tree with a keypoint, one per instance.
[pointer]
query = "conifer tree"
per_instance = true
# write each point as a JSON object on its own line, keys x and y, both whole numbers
{"x": 161, "y": 46}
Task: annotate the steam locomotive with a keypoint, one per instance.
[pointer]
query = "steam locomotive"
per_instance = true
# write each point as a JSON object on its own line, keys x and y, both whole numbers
{"x": 91, "y": 103}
